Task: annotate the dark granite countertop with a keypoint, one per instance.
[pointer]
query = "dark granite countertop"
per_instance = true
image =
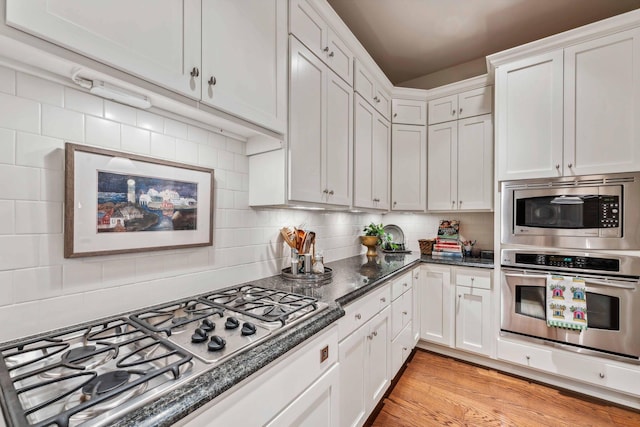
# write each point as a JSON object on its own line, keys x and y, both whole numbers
{"x": 352, "y": 278}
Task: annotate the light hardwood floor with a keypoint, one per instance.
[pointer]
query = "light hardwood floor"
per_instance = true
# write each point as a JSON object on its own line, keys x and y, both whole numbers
{"x": 439, "y": 391}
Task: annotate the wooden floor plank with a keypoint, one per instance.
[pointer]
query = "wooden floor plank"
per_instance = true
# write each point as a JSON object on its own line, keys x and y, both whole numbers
{"x": 436, "y": 390}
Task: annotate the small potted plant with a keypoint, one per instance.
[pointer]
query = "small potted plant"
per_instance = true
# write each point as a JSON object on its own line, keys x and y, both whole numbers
{"x": 374, "y": 235}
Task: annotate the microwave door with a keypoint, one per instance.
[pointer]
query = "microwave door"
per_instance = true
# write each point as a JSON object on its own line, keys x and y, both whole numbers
{"x": 524, "y": 304}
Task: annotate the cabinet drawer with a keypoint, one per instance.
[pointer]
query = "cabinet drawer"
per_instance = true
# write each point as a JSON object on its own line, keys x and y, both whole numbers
{"x": 358, "y": 312}
{"x": 473, "y": 278}
{"x": 401, "y": 312}
{"x": 623, "y": 379}
{"x": 401, "y": 285}
{"x": 526, "y": 355}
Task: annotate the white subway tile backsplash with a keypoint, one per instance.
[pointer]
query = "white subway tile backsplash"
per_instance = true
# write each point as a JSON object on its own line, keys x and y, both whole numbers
{"x": 102, "y": 132}
{"x": 119, "y": 113}
{"x": 241, "y": 163}
{"x": 83, "y": 102}
{"x": 149, "y": 121}
{"x": 7, "y": 213}
{"x": 7, "y": 80}
{"x": 44, "y": 91}
{"x": 196, "y": 134}
{"x": 19, "y": 113}
{"x": 51, "y": 250}
{"x": 223, "y": 199}
{"x": 39, "y": 151}
{"x": 38, "y": 217}
{"x": 234, "y": 181}
{"x": 217, "y": 141}
{"x": 163, "y": 146}
{"x": 81, "y": 276}
{"x": 175, "y": 128}
{"x": 18, "y": 252}
{"x": 38, "y": 283}
{"x": 187, "y": 152}
{"x": 240, "y": 200}
{"x": 23, "y": 183}
{"x": 225, "y": 160}
{"x": 118, "y": 272}
{"x": 65, "y": 310}
{"x": 136, "y": 140}
{"x": 61, "y": 123}
{"x": 207, "y": 156}
{"x": 7, "y": 288}
{"x": 31, "y": 320}
{"x": 7, "y": 146}
{"x": 235, "y": 146}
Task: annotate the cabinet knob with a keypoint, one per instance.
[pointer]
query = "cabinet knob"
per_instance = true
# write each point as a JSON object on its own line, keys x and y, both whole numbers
{"x": 528, "y": 357}
{"x": 601, "y": 374}
{"x": 405, "y": 284}
{"x": 331, "y": 192}
{"x": 370, "y": 336}
{"x": 459, "y": 295}
{"x": 331, "y": 54}
{"x": 453, "y": 203}
{"x": 404, "y": 348}
{"x": 325, "y": 191}
{"x": 195, "y": 72}
{"x": 405, "y": 313}
{"x": 326, "y": 49}
{"x": 358, "y": 316}
{"x": 460, "y": 111}
{"x": 395, "y": 114}
{"x": 383, "y": 299}
{"x": 395, "y": 203}
{"x": 212, "y": 81}
{"x": 472, "y": 279}
{"x": 375, "y": 333}
{"x": 459, "y": 202}
{"x": 558, "y": 166}
{"x": 453, "y": 112}
{"x": 570, "y": 165}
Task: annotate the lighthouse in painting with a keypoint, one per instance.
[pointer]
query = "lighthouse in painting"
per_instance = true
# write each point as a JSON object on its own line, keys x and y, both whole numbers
{"x": 131, "y": 191}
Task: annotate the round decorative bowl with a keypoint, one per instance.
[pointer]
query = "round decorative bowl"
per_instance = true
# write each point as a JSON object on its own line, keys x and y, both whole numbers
{"x": 371, "y": 242}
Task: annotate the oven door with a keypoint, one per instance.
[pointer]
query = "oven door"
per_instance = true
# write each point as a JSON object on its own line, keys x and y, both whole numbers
{"x": 612, "y": 307}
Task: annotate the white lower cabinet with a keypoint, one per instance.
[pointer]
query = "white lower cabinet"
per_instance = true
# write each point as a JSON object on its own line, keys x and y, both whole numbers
{"x": 364, "y": 355}
{"x": 402, "y": 296}
{"x": 457, "y": 313}
{"x": 298, "y": 389}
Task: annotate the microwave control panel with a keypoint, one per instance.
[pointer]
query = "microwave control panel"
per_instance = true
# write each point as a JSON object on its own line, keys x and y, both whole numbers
{"x": 609, "y": 212}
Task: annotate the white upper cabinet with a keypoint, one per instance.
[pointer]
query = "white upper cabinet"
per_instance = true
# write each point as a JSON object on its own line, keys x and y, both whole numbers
{"x": 408, "y": 167}
{"x": 466, "y": 104}
{"x": 529, "y": 117}
{"x": 372, "y": 145}
{"x": 409, "y": 112}
{"x": 315, "y": 33}
{"x": 372, "y": 91}
{"x": 244, "y": 59}
{"x": 602, "y": 105}
{"x": 164, "y": 49}
{"x": 320, "y": 131}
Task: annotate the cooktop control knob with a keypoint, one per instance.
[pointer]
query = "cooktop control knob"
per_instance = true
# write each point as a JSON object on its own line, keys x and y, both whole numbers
{"x": 217, "y": 343}
{"x": 199, "y": 335}
{"x": 248, "y": 328}
{"x": 207, "y": 325}
{"x": 231, "y": 323}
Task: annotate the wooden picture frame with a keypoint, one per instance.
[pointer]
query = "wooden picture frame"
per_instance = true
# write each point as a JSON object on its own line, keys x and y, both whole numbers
{"x": 119, "y": 202}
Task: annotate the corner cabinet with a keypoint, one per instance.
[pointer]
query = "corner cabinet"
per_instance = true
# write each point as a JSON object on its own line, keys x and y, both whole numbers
{"x": 408, "y": 167}
{"x": 456, "y": 308}
{"x": 572, "y": 111}
{"x": 459, "y": 106}
{"x": 372, "y": 151}
{"x": 460, "y": 165}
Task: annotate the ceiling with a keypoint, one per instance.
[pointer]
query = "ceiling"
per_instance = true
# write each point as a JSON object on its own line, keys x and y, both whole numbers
{"x": 414, "y": 38}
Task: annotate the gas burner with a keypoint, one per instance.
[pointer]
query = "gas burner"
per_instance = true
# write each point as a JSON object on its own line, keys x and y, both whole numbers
{"x": 175, "y": 317}
{"x": 105, "y": 382}
{"x": 81, "y": 358}
{"x": 275, "y": 312}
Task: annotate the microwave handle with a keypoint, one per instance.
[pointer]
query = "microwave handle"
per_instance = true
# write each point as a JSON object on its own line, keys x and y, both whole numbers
{"x": 526, "y": 276}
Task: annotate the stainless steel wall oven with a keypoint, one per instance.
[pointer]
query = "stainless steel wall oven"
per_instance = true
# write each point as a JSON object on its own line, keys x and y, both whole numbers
{"x": 612, "y": 298}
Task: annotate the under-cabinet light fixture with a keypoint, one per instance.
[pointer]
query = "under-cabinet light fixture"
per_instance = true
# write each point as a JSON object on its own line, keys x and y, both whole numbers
{"x": 105, "y": 90}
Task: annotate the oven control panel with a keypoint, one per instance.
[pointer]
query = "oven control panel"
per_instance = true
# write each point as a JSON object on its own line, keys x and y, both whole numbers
{"x": 564, "y": 261}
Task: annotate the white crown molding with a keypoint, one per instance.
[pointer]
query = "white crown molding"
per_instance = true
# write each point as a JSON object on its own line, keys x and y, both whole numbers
{"x": 457, "y": 87}
{"x": 409, "y": 93}
{"x": 592, "y": 31}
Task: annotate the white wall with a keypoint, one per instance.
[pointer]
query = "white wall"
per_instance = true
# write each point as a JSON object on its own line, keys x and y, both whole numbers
{"x": 40, "y": 290}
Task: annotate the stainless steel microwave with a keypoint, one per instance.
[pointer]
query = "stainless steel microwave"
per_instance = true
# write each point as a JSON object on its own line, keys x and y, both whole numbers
{"x": 584, "y": 212}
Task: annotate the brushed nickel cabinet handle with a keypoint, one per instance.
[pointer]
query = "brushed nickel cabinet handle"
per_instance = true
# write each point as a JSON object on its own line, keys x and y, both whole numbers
{"x": 331, "y": 192}
{"x": 212, "y": 81}
{"x": 395, "y": 114}
{"x": 325, "y": 191}
{"x": 601, "y": 374}
{"x": 383, "y": 299}
{"x": 326, "y": 49}
{"x": 570, "y": 165}
{"x": 557, "y": 165}
{"x": 331, "y": 54}
{"x": 375, "y": 333}
{"x": 195, "y": 72}
{"x": 405, "y": 313}
{"x": 358, "y": 316}
{"x": 460, "y": 112}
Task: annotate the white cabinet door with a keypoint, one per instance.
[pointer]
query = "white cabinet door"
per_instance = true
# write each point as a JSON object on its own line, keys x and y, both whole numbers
{"x": 372, "y": 91}
{"x": 475, "y": 102}
{"x": 378, "y": 358}
{"x": 372, "y": 147}
{"x": 339, "y": 57}
{"x": 437, "y": 305}
{"x": 475, "y": 163}
{"x": 353, "y": 372}
{"x": 473, "y": 320}
{"x": 602, "y": 105}
{"x": 307, "y": 124}
{"x": 409, "y": 111}
{"x": 408, "y": 167}
{"x": 401, "y": 347}
{"x": 442, "y": 165}
{"x": 315, "y": 407}
{"x": 529, "y": 96}
{"x": 337, "y": 155}
{"x": 443, "y": 109}
{"x": 244, "y": 59}
{"x": 163, "y": 48}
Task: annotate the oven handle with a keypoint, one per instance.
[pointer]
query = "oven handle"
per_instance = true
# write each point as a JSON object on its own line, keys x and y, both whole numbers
{"x": 606, "y": 284}
{"x": 590, "y": 280}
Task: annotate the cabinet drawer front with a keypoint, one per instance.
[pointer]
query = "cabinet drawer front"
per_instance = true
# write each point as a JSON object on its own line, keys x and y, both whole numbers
{"x": 359, "y": 312}
{"x": 473, "y": 278}
{"x": 475, "y": 102}
{"x": 526, "y": 355}
{"x": 401, "y": 285}
{"x": 625, "y": 380}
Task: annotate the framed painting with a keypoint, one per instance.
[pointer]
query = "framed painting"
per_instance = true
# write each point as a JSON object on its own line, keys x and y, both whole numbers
{"x": 118, "y": 202}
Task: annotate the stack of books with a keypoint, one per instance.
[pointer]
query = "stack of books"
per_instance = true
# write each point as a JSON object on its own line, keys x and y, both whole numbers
{"x": 447, "y": 240}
